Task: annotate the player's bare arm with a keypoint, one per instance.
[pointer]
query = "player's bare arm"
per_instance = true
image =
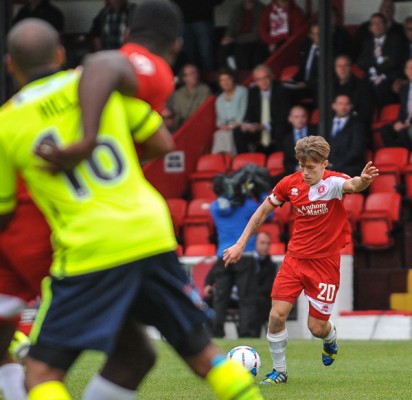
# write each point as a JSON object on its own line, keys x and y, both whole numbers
{"x": 95, "y": 88}
{"x": 159, "y": 144}
{"x": 233, "y": 253}
{"x": 359, "y": 183}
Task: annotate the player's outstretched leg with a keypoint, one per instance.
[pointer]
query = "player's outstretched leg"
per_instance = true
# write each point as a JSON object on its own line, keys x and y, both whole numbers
{"x": 330, "y": 348}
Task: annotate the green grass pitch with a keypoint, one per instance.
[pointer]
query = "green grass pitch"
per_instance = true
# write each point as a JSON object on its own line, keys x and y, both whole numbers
{"x": 364, "y": 370}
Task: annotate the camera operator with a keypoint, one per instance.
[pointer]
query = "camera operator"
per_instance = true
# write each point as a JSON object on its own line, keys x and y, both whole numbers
{"x": 239, "y": 195}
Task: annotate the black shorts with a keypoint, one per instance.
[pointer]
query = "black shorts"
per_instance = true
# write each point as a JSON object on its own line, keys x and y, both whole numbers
{"x": 88, "y": 311}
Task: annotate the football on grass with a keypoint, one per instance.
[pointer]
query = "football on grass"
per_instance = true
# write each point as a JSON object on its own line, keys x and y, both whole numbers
{"x": 247, "y": 356}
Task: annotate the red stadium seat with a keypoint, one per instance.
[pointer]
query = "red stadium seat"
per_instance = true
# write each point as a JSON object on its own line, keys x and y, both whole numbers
{"x": 199, "y": 274}
{"x": 177, "y": 208}
{"x": 274, "y": 230}
{"x": 243, "y": 159}
{"x": 354, "y": 204}
{"x": 391, "y": 162}
{"x": 208, "y": 166}
{"x": 274, "y": 163}
{"x": 388, "y": 114}
{"x": 314, "y": 117}
{"x": 198, "y": 223}
{"x": 382, "y": 211}
{"x": 206, "y": 250}
{"x": 277, "y": 249}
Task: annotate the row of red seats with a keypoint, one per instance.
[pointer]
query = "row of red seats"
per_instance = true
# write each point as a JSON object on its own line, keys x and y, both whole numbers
{"x": 394, "y": 163}
{"x": 374, "y": 218}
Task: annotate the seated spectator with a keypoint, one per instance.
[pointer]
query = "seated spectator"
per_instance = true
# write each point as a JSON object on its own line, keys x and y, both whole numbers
{"x": 41, "y": 9}
{"x": 266, "y": 115}
{"x": 198, "y": 32}
{"x": 230, "y": 109}
{"x": 342, "y": 39}
{"x": 109, "y": 27}
{"x": 168, "y": 116}
{"x": 298, "y": 128}
{"x": 280, "y": 20}
{"x": 348, "y": 139}
{"x": 387, "y": 9}
{"x": 359, "y": 91}
{"x": 305, "y": 83}
{"x": 400, "y": 133}
{"x": 265, "y": 270}
{"x": 381, "y": 60}
{"x": 241, "y": 47}
{"x": 188, "y": 98}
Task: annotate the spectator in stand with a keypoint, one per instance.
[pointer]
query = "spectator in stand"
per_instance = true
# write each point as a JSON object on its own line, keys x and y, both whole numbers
{"x": 41, "y": 9}
{"x": 109, "y": 27}
{"x": 400, "y": 133}
{"x": 387, "y": 9}
{"x": 241, "y": 44}
{"x": 305, "y": 83}
{"x": 266, "y": 115}
{"x": 359, "y": 91}
{"x": 169, "y": 119}
{"x": 348, "y": 139}
{"x": 342, "y": 39}
{"x": 397, "y": 85}
{"x": 280, "y": 20}
{"x": 230, "y": 110}
{"x": 298, "y": 128}
{"x": 265, "y": 274}
{"x": 188, "y": 98}
{"x": 381, "y": 59}
{"x": 198, "y": 32}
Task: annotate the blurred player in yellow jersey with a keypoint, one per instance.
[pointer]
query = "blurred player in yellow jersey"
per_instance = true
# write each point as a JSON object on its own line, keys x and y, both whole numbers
{"x": 114, "y": 268}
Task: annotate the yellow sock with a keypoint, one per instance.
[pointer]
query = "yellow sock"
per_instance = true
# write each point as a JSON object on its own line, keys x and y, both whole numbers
{"x": 230, "y": 380}
{"x": 53, "y": 390}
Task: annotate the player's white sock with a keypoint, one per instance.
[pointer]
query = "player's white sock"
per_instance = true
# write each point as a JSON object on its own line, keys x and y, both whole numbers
{"x": 332, "y": 334}
{"x": 102, "y": 389}
{"x": 12, "y": 382}
{"x": 277, "y": 346}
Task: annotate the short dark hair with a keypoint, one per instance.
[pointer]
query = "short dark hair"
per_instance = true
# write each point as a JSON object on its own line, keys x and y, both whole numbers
{"x": 156, "y": 23}
{"x": 379, "y": 15}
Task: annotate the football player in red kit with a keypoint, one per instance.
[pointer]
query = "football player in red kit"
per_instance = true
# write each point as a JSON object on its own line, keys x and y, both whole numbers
{"x": 312, "y": 261}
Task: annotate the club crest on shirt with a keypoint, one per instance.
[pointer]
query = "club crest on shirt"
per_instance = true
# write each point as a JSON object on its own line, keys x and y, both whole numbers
{"x": 294, "y": 191}
{"x": 321, "y": 189}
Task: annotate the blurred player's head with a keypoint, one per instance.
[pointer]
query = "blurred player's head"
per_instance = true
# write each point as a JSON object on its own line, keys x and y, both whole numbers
{"x": 157, "y": 25}
{"x": 312, "y": 153}
{"x": 33, "y": 48}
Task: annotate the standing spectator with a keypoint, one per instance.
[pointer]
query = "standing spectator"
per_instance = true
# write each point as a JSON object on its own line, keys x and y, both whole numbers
{"x": 381, "y": 59}
{"x": 266, "y": 115}
{"x": 241, "y": 44}
{"x": 97, "y": 267}
{"x": 198, "y": 32}
{"x": 298, "y": 129}
{"x": 359, "y": 91}
{"x": 400, "y": 133}
{"x": 42, "y": 9}
{"x": 312, "y": 262}
{"x": 187, "y": 99}
{"x": 230, "y": 109}
{"x": 348, "y": 139}
{"x": 109, "y": 27}
{"x": 229, "y": 213}
{"x": 280, "y": 20}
